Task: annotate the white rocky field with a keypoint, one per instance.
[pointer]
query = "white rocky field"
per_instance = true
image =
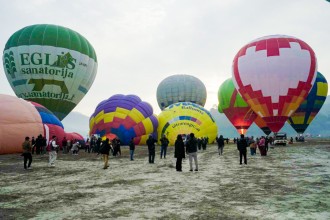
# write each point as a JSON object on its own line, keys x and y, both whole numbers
{"x": 292, "y": 182}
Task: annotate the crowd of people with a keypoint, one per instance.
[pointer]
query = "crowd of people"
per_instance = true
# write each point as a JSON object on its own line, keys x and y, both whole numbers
{"x": 184, "y": 145}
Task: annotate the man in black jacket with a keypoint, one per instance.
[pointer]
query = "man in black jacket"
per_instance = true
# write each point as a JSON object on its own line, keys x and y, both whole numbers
{"x": 241, "y": 146}
{"x": 151, "y": 148}
{"x": 191, "y": 149}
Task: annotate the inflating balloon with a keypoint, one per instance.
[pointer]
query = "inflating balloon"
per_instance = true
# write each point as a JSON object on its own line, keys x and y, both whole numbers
{"x": 126, "y": 116}
{"x": 74, "y": 136}
{"x": 185, "y": 118}
{"x": 274, "y": 75}
{"x": 52, "y": 125}
{"x": 181, "y": 88}
{"x": 238, "y": 112}
{"x": 18, "y": 119}
{"x": 50, "y": 65}
{"x": 309, "y": 108}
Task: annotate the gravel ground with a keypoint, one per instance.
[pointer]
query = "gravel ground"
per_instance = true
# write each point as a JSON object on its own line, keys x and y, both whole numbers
{"x": 292, "y": 182}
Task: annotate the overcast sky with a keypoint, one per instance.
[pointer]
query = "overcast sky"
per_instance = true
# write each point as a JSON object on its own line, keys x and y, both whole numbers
{"x": 140, "y": 43}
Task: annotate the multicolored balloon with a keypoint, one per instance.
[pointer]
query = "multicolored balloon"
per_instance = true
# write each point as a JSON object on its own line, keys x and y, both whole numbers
{"x": 126, "y": 116}
{"x": 309, "y": 108}
{"x": 52, "y": 125}
{"x": 274, "y": 75}
{"x": 262, "y": 125}
{"x": 180, "y": 88}
{"x": 51, "y": 65}
{"x": 231, "y": 103}
{"x": 185, "y": 118}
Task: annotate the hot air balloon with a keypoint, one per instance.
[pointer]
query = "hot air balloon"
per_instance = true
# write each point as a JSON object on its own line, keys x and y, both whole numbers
{"x": 51, "y": 65}
{"x": 185, "y": 118}
{"x": 180, "y": 88}
{"x": 274, "y": 75}
{"x": 309, "y": 108}
{"x": 262, "y": 125}
{"x": 52, "y": 125}
{"x": 18, "y": 119}
{"x": 74, "y": 136}
{"x": 238, "y": 112}
{"x": 125, "y": 116}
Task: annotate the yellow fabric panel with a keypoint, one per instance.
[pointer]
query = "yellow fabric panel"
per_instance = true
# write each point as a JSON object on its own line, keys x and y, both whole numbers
{"x": 298, "y": 119}
{"x": 148, "y": 125}
{"x": 122, "y": 110}
{"x": 292, "y": 106}
{"x": 108, "y": 117}
{"x": 310, "y": 119}
{"x": 91, "y": 123}
{"x": 322, "y": 89}
{"x": 144, "y": 139}
{"x": 120, "y": 115}
{"x": 99, "y": 117}
{"x": 136, "y": 115}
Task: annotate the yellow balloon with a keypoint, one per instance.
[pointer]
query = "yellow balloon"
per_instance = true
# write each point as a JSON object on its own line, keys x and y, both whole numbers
{"x": 185, "y": 118}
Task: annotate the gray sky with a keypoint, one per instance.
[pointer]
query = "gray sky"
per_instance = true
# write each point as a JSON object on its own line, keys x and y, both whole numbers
{"x": 139, "y": 43}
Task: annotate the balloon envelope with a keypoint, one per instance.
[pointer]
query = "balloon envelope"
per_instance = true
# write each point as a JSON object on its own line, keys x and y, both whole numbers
{"x": 238, "y": 112}
{"x": 18, "y": 119}
{"x": 126, "y": 116}
{"x": 262, "y": 125}
{"x": 181, "y": 88}
{"x": 185, "y": 118}
{"x": 51, "y": 65}
{"x": 274, "y": 75}
{"x": 309, "y": 108}
{"x": 74, "y": 136}
{"x": 52, "y": 125}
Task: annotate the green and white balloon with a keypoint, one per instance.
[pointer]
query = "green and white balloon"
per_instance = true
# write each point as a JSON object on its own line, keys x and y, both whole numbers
{"x": 51, "y": 65}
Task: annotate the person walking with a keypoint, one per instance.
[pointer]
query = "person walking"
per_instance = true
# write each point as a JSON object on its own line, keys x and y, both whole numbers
{"x": 262, "y": 147}
{"x": 75, "y": 147}
{"x": 179, "y": 152}
{"x": 131, "y": 148}
{"x": 151, "y": 148}
{"x": 52, "y": 151}
{"x": 199, "y": 143}
{"x": 64, "y": 145}
{"x": 27, "y": 148}
{"x": 204, "y": 143}
{"x": 253, "y": 146}
{"x": 221, "y": 144}
{"x": 33, "y": 144}
{"x": 93, "y": 143}
{"x": 164, "y": 143}
{"x": 39, "y": 144}
{"x": 115, "y": 147}
{"x": 192, "y": 151}
{"x": 241, "y": 147}
{"x": 98, "y": 145}
{"x": 266, "y": 144}
{"x": 44, "y": 145}
{"x": 104, "y": 150}
{"x": 87, "y": 146}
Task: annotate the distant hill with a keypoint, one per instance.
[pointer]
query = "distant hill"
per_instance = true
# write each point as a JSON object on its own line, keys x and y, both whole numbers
{"x": 319, "y": 126}
{"x": 76, "y": 122}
